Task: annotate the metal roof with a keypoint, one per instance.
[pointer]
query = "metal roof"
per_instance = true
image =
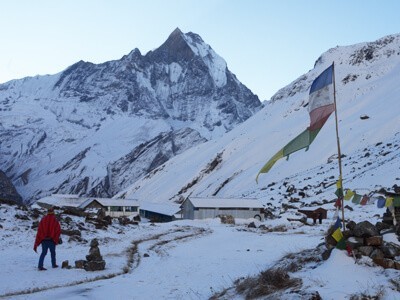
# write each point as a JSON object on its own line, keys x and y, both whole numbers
{"x": 168, "y": 209}
{"x": 82, "y": 202}
{"x": 214, "y": 202}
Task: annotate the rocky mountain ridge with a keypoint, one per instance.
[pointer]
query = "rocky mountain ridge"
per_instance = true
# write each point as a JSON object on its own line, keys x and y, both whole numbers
{"x": 71, "y": 132}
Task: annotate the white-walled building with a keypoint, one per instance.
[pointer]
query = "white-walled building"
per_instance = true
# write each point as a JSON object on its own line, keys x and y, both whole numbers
{"x": 211, "y": 207}
{"x": 112, "y": 207}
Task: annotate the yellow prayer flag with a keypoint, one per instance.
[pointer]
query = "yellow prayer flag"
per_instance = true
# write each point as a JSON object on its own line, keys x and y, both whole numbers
{"x": 339, "y": 183}
{"x": 337, "y": 235}
{"x": 349, "y": 194}
{"x": 270, "y": 163}
{"x": 389, "y": 201}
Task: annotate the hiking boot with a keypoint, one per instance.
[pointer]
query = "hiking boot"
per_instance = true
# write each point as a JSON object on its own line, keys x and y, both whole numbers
{"x": 55, "y": 266}
{"x": 42, "y": 269}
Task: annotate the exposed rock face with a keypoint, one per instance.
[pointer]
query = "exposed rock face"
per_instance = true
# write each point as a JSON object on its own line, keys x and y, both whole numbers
{"x": 7, "y": 190}
{"x": 94, "y": 129}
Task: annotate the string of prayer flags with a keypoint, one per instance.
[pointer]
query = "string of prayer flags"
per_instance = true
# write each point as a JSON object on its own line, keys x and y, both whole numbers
{"x": 381, "y": 201}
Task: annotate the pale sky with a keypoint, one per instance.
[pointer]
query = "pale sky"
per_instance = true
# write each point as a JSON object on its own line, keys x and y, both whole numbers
{"x": 266, "y": 43}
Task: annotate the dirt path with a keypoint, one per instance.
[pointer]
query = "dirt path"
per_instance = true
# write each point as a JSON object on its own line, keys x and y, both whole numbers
{"x": 157, "y": 243}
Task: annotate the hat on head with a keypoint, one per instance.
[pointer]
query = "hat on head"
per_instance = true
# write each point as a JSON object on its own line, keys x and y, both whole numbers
{"x": 50, "y": 210}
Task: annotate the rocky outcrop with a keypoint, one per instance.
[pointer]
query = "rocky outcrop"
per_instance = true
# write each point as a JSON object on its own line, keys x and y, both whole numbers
{"x": 8, "y": 193}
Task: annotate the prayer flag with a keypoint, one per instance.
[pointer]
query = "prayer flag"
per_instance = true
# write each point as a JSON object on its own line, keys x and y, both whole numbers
{"x": 320, "y": 107}
{"x": 337, "y": 235}
{"x": 338, "y": 223}
{"x": 339, "y": 183}
{"x": 381, "y": 202}
{"x": 364, "y": 200}
{"x": 349, "y": 194}
{"x": 356, "y": 199}
{"x": 341, "y": 244}
{"x": 389, "y": 201}
{"x": 339, "y": 193}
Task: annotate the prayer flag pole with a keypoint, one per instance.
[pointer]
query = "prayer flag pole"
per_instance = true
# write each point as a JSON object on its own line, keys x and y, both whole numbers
{"x": 338, "y": 144}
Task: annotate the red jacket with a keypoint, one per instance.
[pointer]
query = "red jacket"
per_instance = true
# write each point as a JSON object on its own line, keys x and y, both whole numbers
{"x": 49, "y": 227}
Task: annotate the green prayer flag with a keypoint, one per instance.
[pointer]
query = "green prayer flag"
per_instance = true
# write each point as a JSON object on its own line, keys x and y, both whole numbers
{"x": 396, "y": 201}
{"x": 356, "y": 199}
{"x": 321, "y": 106}
{"x": 339, "y": 193}
{"x": 341, "y": 244}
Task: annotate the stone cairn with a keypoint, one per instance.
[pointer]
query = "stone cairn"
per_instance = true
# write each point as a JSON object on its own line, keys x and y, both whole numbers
{"x": 365, "y": 239}
{"x": 94, "y": 261}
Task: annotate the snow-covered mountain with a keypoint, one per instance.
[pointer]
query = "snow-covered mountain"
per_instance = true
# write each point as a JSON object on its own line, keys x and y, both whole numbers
{"x": 367, "y": 80}
{"x": 94, "y": 129}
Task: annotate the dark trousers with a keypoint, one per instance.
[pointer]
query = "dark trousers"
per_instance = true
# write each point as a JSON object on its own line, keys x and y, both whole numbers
{"x": 48, "y": 245}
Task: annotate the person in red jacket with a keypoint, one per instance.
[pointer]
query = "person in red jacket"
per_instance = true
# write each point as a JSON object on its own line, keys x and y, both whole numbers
{"x": 48, "y": 235}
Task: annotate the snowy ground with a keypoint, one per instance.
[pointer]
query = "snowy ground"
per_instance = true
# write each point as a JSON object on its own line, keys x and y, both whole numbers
{"x": 186, "y": 260}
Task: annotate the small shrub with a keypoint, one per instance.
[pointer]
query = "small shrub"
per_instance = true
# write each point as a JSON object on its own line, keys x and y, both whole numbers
{"x": 268, "y": 282}
{"x": 227, "y": 219}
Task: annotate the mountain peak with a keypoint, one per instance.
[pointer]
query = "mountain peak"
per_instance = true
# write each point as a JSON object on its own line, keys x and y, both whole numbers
{"x": 174, "y": 49}
{"x": 177, "y": 31}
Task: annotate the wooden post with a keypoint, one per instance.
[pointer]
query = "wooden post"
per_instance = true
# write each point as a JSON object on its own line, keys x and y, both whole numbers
{"x": 338, "y": 142}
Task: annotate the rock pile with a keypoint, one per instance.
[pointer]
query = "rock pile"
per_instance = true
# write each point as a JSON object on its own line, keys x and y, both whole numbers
{"x": 94, "y": 261}
{"x": 365, "y": 239}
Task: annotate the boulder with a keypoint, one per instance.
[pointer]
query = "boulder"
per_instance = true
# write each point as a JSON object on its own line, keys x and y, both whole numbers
{"x": 382, "y": 226}
{"x": 91, "y": 266}
{"x": 77, "y": 238}
{"x": 351, "y": 225}
{"x": 80, "y": 264}
{"x": 365, "y": 229}
{"x": 374, "y": 241}
{"x": 123, "y": 221}
{"x": 74, "y": 211}
{"x": 65, "y": 265}
{"x": 385, "y": 263}
{"x": 366, "y": 250}
{"x": 252, "y": 225}
{"x": 390, "y": 250}
{"x": 71, "y": 232}
{"x": 377, "y": 254}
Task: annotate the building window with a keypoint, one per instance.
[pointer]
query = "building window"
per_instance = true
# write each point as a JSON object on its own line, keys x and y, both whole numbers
{"x": 131, "y": 208}
{"x": 115, "y": 208}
